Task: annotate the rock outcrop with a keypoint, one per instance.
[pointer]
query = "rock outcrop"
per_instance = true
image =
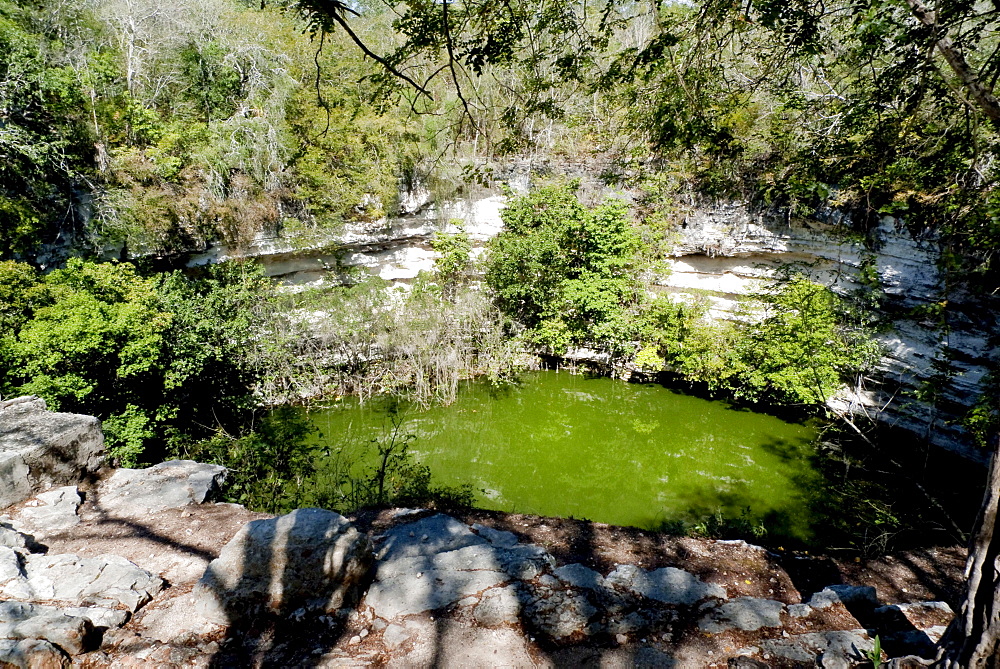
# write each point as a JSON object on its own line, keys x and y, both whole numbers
{"x": 310, "y": 559}
{"x": 438, "y": 591}
{"x": 141, "y": 586}
{"x": 40, "y": 449}
{"x": 168, "y": 485}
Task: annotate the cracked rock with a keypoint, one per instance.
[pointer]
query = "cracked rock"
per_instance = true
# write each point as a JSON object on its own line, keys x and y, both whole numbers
{"x": 744, "y": 613}
{"x": 31, "y": 654}
{"x": 828, "y": 649}
{"x": 667, "y": 585}
{"x": 169, "y": 485}
{"x": 19, "y": 620}
{"x": 561, "y": 614}
{"x": 57, "y": 511}
{"x": 16, "y": 540}
{"x": 424, "y": 583}
{"x": 107, "y": 580}
{"x": 498, "y": 606}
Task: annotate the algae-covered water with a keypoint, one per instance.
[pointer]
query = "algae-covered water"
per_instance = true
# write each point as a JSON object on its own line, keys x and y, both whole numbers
{"x": 566, "y": 445}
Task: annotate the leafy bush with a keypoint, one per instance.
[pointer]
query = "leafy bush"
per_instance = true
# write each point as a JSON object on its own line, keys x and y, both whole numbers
{"x": 268, "y": 466}
{"x": 155, "y": 358}
{"x": 565, "y": 271}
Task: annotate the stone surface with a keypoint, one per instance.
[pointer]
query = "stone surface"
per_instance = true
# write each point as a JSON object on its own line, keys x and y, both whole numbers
{"x": 919, "y": 615}
{"x": 744, "y": 613}
{"x": 434, "y": 534}
{"x": 308, "y": 558}
{"x": 56, "y": 511}
{"x": 447, "y": 643}
{"x": 849, "y": 595}
{"x": 99, "y": 616}
{"x": 410, "y": 585}
{"x": 827, "y": 649}
{"x": 498, "y": 538}
{"x": 561, "y": 614}
{"x": 19, "y": 620}
{"x": 40, "y": 449}
{"x": 668, "y": 585}
{"x": 169, "y": 485}
{"x": 16, "y": 539}
{"x": 498, "y": 606}
{"x": 109, "y": 580}
{"x": 579, "y": 576}
{"x": 31, "y": 654}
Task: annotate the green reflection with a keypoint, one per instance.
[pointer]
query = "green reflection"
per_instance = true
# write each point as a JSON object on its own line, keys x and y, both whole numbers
{"x": 596, "y": 448}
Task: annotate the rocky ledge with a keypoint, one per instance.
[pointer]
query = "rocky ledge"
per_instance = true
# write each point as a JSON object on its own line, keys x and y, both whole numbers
{"x": 136, "y": 567}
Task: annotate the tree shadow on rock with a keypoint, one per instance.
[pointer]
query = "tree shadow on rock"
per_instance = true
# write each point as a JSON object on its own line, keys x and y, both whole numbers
{"x": 283, "y": 585}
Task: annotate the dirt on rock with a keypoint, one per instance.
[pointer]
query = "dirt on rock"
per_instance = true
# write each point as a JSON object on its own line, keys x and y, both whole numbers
{"x": 920, "y": 574}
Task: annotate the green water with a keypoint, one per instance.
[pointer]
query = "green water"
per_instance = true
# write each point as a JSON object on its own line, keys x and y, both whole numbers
{"x": 565, "y": 445}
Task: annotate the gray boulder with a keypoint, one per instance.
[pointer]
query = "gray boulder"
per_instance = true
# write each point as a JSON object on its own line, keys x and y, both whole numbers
{"x": 435, "y": 534}
{"x": 40, "y": 449}
{"x": 54, "y": 512}
{"x": 16, "y": 539}
{"x": 19, "y": 620}
{"x": 744, "y": 613}
{"x": 169, "y": 485}
{"x": 668, "y": 585}
{"x": 309, "y": 558}
{"x": 580, "y": 576}
{"x": 862, "y": 596}
{"x": 835, "y": 649}
{"x": 31, "y": 654}
{"x": 419, "y": 583}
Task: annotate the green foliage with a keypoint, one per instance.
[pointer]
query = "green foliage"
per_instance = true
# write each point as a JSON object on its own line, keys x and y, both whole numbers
{"x": 874, "y": 655}
{"x": 454, "y": 261}
{"x": 268, "y": 466}
{"x": 95, "y": 341}
{"x": 155, "y": 358}
{"x": 43, "y": 142}
{"x": 795, "y": 345}
{"x": 720, "y": 526}
{"x": 982, "y": 420}
{"x": 799, "y": 352}
{"x": 394, "y": 479}
{"x": 565, "y": 271}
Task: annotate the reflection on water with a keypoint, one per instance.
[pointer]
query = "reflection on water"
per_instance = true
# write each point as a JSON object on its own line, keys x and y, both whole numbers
{"x": 596, "y": 448}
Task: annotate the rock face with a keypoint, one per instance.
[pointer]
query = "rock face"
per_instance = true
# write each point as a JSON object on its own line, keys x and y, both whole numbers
{"x": 40, "y": 449}
{"x": 168, "y": 485}
{"x": 52, "y": 606}
{"x": 724, "y": 251}
{"x": 310, "y": 558}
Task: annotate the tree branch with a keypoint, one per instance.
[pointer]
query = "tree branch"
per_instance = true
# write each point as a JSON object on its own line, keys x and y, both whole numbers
{"x": 374, "y": 56}
{"x": 981, "y": 96}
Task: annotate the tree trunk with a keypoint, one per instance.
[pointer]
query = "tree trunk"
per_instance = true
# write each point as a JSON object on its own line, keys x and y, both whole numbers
{"x": 980, "y": 94}
{"x": 973, "y": 638}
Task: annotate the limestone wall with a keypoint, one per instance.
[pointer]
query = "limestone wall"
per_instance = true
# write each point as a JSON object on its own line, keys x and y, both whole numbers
{"x": 722, "y": 251}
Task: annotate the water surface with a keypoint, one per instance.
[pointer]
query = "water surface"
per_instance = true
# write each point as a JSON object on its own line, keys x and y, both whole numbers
{"x": 573, "y": 446}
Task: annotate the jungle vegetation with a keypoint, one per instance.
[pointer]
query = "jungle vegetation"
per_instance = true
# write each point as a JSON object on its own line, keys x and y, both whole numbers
{"x": 142, "y": 128}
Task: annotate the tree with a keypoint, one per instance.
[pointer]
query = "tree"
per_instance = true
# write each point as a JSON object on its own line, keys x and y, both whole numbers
{"x": 566, "y": 271}
{"x": 973, "y": 638}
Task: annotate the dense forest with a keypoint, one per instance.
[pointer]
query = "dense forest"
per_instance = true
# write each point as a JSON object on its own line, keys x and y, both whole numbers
{"x": 133, "y": 131}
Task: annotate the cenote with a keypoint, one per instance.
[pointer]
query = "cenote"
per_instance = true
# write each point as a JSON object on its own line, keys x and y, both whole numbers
{"x": 558, "y": 444}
